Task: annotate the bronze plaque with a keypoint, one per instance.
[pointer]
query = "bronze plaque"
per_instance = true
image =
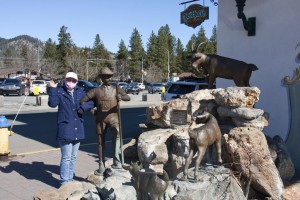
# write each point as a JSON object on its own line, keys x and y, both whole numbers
{"x": 179, "y": 117}
{"x": 194, "y": 15}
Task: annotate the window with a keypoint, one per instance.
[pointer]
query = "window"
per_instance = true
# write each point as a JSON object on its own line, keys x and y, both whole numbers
{"x": 181, "y": 89}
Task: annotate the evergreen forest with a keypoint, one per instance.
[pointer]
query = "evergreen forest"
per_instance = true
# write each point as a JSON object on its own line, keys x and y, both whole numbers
{"x": 157, "y": 59}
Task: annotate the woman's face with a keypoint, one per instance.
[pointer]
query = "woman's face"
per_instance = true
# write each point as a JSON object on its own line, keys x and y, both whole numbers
{"x": 70, "y": 83}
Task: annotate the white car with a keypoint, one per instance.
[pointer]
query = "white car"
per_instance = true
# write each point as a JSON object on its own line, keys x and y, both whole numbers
{"x": 142, "y": 86}
{"x": 179, "y": 88}
{"x": 40, "y": 84}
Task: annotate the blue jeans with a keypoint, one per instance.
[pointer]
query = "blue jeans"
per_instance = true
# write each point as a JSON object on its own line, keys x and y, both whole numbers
{"x": 68, "y": 159}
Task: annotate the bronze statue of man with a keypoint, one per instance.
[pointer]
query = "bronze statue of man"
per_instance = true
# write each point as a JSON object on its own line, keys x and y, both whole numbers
{"x": 106, "y": 99}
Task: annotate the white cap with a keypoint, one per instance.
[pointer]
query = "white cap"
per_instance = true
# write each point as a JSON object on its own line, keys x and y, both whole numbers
{"x": 72, "y": 75}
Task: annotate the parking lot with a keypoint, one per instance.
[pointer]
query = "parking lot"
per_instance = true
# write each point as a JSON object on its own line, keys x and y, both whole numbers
{"x": 12, "y": 103}
{"x": 34, "y": 161}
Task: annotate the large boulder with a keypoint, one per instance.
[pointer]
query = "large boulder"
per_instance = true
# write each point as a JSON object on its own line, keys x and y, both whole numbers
{"x": 292, "y": 192}
{"x": 179, "y": 111}
{"x": 282, "y": 158}
{"x": 236, "y": 96}
{"x": 248, "y": 148}
{"x": 217, "y": 183}
{"x": 152, "y": 148}
{"x": 117, "y": 186}
{"x": 66, "y": 191}
{"x": 244, "y": 116}
{"x": 178, "y": 151}
{"x": 234, "y": 104}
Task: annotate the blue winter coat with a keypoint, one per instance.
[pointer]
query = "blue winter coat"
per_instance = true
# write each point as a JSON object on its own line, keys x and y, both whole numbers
{"x": 69, "y": 122}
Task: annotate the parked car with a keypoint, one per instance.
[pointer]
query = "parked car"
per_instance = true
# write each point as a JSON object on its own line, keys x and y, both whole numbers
{"x": 81, "y": 83}
{"x": 147, "y": 85}
{"x": 183, "y": 87}
{"x": 12, "y": 86}
{"x": 122, "y": 84}
{"x": 168, "y": 85}
{"x": 132, "y": 88}
{"x": 87, "y": 86}
{"x": 1, "y": 80}
{"x": 155, "y": 87}
{"x": 41, "y": 84}
{"x": 141, "y": 86}
{"x": 95, "y": 84}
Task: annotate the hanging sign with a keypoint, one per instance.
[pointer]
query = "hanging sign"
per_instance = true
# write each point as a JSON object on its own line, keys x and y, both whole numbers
{"x": 194, "y": 15}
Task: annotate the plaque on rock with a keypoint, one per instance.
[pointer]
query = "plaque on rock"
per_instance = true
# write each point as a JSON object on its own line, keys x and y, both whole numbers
{"x": 179, "y": 117}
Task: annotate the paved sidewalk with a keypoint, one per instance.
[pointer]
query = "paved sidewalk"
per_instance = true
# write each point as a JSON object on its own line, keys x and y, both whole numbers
{"x": 22, "y": 175}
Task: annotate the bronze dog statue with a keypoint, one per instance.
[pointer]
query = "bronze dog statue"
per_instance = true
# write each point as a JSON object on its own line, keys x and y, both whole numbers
{"x": 148, "y": 182}
{"x": 201, "y": 136}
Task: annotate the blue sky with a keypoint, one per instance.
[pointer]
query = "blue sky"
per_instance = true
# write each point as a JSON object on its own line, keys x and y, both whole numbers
{"x": 112, "y": 20}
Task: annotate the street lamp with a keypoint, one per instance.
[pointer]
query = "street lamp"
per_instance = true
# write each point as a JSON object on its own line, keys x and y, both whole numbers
{"x": 142, "y": 70}
{"x": 87, "y": 69}
{"x": 38, "y": 55}
{"x": 168, "y": 63}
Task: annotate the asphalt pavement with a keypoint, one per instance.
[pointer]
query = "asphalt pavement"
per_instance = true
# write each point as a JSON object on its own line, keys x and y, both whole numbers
{"x": 25, "y": 173}
{"x": 13, "y": 107}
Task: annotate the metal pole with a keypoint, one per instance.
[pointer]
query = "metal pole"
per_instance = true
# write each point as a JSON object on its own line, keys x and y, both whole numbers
{"x": 168, "y": 65}
{"x": 142, "y": 70}
{"x": 38, "y": 57}
{"x": 87, "y": 70}
{"x": 168, "y": 62}
{"x": 97, "y": 67}
{"x": 120, "y": 127}
{"x": 121, "y": 134}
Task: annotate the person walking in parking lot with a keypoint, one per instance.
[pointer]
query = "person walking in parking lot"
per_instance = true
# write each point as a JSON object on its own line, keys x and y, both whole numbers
{"x": 70, "y": 128}
{"x": 106, "y": 99}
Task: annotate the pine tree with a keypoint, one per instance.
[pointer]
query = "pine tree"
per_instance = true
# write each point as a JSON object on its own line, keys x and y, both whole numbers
{"x": 137, "y": 54}
{"x": 24, "y": 52}
{"x": 50, "y": 58}
{"x": 25, "y": 56}
{"x": 63, "y": 48}
{"x": 165, "y": 43}
{"x": 50, "y": 50}
{"x": 179, "y": 66}
{"x": 152, "y": 51}
{"x": 122, "y": 57}
{"x": 201, "y": 41}
{"x": 7, "y": 55}
{"x": 101, "y": 58}
{"x": 213, "y": 40}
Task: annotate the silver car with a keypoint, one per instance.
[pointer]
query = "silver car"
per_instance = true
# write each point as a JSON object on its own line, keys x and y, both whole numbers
{"x": 155, "y": 87}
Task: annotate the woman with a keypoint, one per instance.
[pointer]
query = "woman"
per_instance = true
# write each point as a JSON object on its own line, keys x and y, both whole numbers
{"x": 70, "y": 128}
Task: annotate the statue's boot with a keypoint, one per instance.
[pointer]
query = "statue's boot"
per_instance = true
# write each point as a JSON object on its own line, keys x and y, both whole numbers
{"x": 101, "y": 169}
{"x": 117, "y": 165}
